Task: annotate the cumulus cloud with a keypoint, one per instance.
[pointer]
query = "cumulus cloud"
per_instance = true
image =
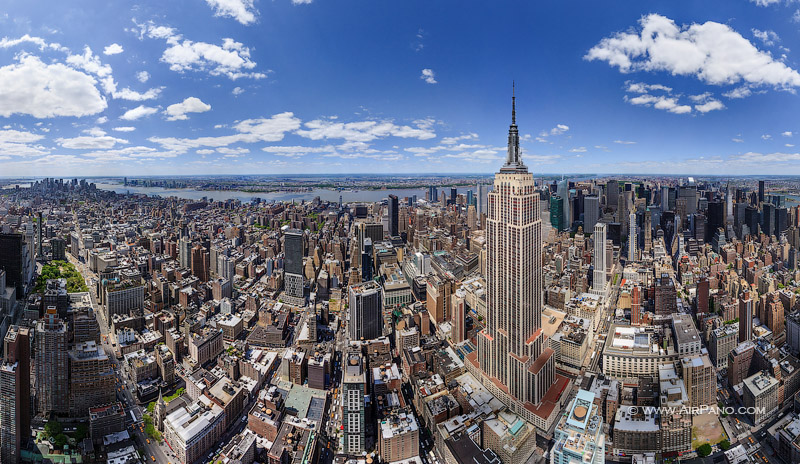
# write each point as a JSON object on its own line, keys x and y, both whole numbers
{"x": 31, "y": 87}
{"x": 365, "y": 131}
{"x": 739, "y": 92}
{"x": 270, "y": 129}
{"x": 241, "y": 10}
{"x": 140, "y": 111}
{"x": 177, "y": 111}
{"x": 578, "y": 150}
{"x": 767, "y": 37}
{"x": 97, "y": 140}
{"x": 765, "y": 2}
{"x": 640, "y": 87}
{"x": 142, "y": 76}
{"x": 124, "y": 129}
{"x": 428, "y": 76}
{"x": 231, "y": 59}
{"x": 787, "y": 134}
{"x": 711, "y": 52}
{"x": 625, "y": 142}
{"x": 237, "y": 91}
{"x": 558, "y": 130}
{"x": 113, "y": 49}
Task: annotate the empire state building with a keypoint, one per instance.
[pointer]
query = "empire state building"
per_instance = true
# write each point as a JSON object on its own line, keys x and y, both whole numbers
{"x": 513, "y": 358}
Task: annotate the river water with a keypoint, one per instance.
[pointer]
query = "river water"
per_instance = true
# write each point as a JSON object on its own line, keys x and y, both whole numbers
{"x": 324, "y": 194}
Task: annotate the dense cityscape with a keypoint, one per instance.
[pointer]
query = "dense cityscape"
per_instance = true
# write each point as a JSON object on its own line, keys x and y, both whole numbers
{"x": 603, "y": 320}
{"x": 417, "y": 232}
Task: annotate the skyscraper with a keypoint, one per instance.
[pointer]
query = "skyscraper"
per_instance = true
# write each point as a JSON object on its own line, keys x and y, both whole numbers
{"x": 293, "y": 265}
{"x": 599, "y": 258}
{"x": 632, "y": 237}
{"x": 579, "y": 436}
{"x": 15, "y": 394}
{"x": 52, "y": 387}
{"x": 354, "y": 388}
{"x": 760, "y": 191}
{"x": 511, "y": 349}
{"x": 745, "y": 317}
{"x": 591, "y": 212}
{"x": 366, "y": 311}
{"x": 393, "y": 215}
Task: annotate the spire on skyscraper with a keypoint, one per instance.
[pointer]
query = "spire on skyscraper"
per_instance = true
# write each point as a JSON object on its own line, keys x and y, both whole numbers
{"x": 513, "y": 161}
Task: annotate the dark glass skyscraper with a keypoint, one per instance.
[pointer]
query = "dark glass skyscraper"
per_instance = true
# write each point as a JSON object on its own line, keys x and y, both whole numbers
{"x": 393, "y": 216}
{"x": 293, "y": 263}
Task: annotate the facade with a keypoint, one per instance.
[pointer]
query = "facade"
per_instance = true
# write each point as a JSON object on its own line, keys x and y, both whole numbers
{"x": 192, "y": 430}
{"x": 760, "y": 395}
{"x": 393, "y": 216}
{"x": 123, "y": 297}
{"x": 15, "y": 394}
{"x": 722, "y": 341}
{"x": 599, "y": 259}
{"x": 398, "y": 437}
{"x": 354, "y": 389}
{"x": 205, "y": 346}
{"x": 91, "y": 379}
{"x": 700, "y": 380}
{"x": 293, "y": 265}
{"x": 52, "y": 372}
{"x": 366, "y": 311}
{"x": 511, "y": 349}
{"x": 579, "y": 436}
{"x": 632, "y": 352}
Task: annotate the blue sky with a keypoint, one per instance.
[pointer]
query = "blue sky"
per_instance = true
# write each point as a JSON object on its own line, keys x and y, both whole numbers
{"x": 317, "y": 86}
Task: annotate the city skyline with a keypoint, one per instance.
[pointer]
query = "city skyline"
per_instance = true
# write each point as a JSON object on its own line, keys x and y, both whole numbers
{"x": 242, "y": 87}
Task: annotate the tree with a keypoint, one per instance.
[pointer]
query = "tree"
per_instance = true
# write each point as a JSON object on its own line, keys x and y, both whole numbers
{"x": 53, "y": 428}
{"x": 704, "y": 450}
{"x": 59, "y": 440}
{"x": 725, "y": 445}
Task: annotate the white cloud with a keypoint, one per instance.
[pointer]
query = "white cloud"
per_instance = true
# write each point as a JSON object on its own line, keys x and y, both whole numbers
{"x": 558, "y": 130}
{"x": 765, "y": 2}
{"x": 578, "y": 150}
{"x": 365, "y": 131}
{"x": 659, "y": 102}
{"x": 113, "y": 49}
{"x": 233, "y": 151}
{"x": 92, "y": 142}
{"x": 241, "y": 10}
{"x": 102, "y": 120}
{"x": 739, "y": 92}
{"x": 710, "y": 105}
{"x": 737, "y": 140}
{"x": 787, "y": 134}
{"x": 625, "y": 142}
{"x": 712, "y": 52}
{"x": 177, "y": 111}
{"x": 124, "y": 129}
{"x": 640, "y": 87}
{"x": 766, "y": 137}
{"x": 232, "y": 59}
{"x": 767, "y": 37}
{"x": 428, "y": 76}
{"x": 248, "y": 131}
{"x": 138, "y": 112}
{"x": 452, "y": 140}
{"x": 15, "y": 136}
{"x": 143, "y": 76}
{"x": 128, "y": 94}
{"x": 204, "y": 151}
{"x": 790, "y": 145}
{"x": 297, "y": 151}
{"x": 42, "y": 90}
{"x": 237, "y": 91}
{"x": 796, "y": 16}
{"x": 301, "y": 2}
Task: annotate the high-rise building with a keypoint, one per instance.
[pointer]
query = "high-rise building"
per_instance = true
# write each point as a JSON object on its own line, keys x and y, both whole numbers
{"x": 760, "y": 191}
{"x": 557, "y": 212}
{"x": 366, "y": 311}
{"x": 185, "y": 252}
{"x": 665, "y": 301}
{"x": 393, "y": 216}
{"x": 700, "y": 380}
{"x": 511, "y": 349}
{"x": 52, "y": 372}
{"x": 648, "y": 231}
{"x": 91, "y": 379}
{"x": 599, "y": 258}
{"x": 632, "y": 236}
{"x": 579, "y": 436}
{"x": 293, "y": 263}
{"x": 200, "y": 263}
{"x": 354, "y": 388}
{"x": 745, "y": 318}
{"x": 612, "y": 193}
{"x": 563, "y": 192}
{"x": 12, "y": 261}
{"x": 591, "y": 212}
{"x": 15, "y": 394}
